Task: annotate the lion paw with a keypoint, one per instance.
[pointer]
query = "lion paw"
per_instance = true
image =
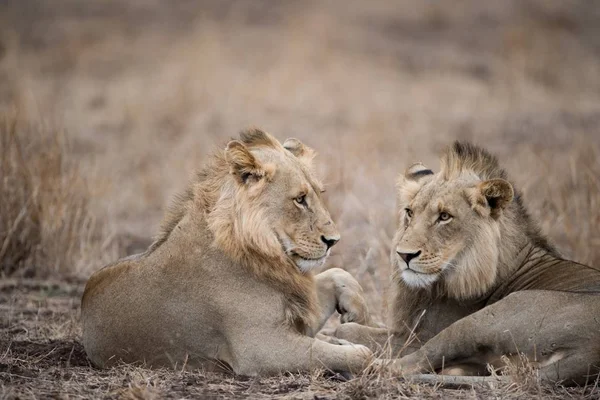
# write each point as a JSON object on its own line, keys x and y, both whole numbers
{"x": 351, "y": 303}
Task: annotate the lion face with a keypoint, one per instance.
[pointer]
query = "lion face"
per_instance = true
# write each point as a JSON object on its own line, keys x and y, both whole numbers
{"x": 279, "y": 208}
{"x": 448, "y": 230}
{"x": 303, "y": 224}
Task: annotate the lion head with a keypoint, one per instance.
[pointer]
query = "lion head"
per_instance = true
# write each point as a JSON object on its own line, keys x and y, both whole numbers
{"x": 450, "y": 223}
{"x": 272, "y": 202}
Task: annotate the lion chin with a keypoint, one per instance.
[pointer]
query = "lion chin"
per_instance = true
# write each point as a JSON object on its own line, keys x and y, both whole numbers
{"x": 306, "y": 265}
{"x": 418, "y": 279}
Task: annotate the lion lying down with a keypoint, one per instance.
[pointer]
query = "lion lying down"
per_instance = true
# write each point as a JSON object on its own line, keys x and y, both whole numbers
{"x": 228, "y": 282}
{"x": 476, "y": 280}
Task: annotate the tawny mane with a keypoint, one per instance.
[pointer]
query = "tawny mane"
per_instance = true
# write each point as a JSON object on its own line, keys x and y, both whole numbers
{"x": 464, "y": 157}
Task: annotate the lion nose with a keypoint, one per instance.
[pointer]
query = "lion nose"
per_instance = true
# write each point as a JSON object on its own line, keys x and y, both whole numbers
{"x": 409, "y": 256}
{"x": 330, "y": 241}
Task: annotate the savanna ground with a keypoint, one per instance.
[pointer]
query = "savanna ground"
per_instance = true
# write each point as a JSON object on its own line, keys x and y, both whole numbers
{"x": 107, "y": 106}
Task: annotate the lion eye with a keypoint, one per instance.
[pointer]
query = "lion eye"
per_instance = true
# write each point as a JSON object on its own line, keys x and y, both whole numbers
{"x": 444, "y": 216}
{"x": 301, "y": 200}
{"x": 409, "y": 212}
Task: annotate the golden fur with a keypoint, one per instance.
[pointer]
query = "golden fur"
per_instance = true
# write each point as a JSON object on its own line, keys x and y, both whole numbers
{"x": 241, "y": 240}
{"x": 465, "y": 253}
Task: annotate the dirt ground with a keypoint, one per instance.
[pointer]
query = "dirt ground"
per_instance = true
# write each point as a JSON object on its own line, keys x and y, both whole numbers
{"x": 114, "y": 103}
{"x": 43, "y": 358}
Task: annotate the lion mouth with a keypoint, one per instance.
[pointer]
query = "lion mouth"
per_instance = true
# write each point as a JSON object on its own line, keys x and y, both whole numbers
{"x": 414, "y": 271}
{"x": 405, "y": 268}
{"x": 293, "y": 253}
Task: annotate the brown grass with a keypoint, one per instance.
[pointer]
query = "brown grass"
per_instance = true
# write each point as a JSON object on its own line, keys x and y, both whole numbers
{"x": 142, "y": 91}
{"x": 46, "y": 227}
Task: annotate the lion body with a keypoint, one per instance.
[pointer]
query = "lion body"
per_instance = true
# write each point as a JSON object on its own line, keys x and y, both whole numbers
{"x": 484, "y": 283}
{"x": 216, "y": 289}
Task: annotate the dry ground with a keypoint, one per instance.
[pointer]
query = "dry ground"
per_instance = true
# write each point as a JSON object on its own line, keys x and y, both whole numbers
{"x": 107, "y": 107}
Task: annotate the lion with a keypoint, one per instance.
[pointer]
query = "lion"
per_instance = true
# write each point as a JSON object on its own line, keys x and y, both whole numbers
{"x": 477, "y": 284}
{"x": 228, "y": 283}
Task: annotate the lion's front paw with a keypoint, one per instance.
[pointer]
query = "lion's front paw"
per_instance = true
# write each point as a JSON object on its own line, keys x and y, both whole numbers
{"x": 352, "y": 307}
{"x": 351, "y": 303}
{"x": 346, "y": 331}
{"x": 346, "y": 316}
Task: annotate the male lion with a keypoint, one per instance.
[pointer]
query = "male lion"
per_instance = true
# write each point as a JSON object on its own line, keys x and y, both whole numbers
{"x": 475, "y": 280}
{"x": 228, "y": 282}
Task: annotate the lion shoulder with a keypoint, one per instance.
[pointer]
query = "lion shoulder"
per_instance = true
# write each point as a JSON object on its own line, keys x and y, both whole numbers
{"x": 107, "y": 275}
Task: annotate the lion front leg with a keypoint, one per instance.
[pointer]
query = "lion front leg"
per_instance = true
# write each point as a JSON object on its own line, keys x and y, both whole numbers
{"x": 339, "y": 291}
{"x": 280, "y": 350}
{"x": 379, "y": 340}
{"x": 550, "y": 329}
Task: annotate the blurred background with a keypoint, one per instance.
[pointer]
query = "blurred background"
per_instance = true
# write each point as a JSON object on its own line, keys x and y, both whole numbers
{"x": 108, "y": 106}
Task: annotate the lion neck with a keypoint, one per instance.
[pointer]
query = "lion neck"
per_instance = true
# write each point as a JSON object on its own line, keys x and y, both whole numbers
{"x": 517, "y": 236}
{"x": 242, "y": 234}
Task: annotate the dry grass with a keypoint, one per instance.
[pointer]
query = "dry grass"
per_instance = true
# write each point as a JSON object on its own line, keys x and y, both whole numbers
{"x": 46, "y": 227}
{"x": 142, "y": 91}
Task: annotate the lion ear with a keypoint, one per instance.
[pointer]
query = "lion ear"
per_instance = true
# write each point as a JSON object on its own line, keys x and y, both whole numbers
{"x": 257, "y": 137}
{"x": 417, "y": 171}
{"x": 494, "y": 194}
{"x": 413, "y": 175}
{"x": 242, "y": 163}
{"x": 299, "y": 149}
{"x": 409, "y": 183}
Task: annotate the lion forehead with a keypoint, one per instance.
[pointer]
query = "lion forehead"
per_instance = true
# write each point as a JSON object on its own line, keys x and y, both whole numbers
{"x": 305, "y": 175}
{"x": 436, "y": 195}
